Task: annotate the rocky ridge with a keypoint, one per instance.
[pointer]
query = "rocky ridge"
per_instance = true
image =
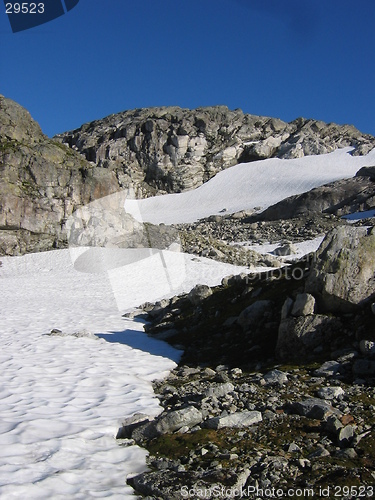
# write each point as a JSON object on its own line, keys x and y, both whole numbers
{"x": 170, "y": 149}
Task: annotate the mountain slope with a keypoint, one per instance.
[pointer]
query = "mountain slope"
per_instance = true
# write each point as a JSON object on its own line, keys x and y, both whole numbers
{"x": 170, "y": 149}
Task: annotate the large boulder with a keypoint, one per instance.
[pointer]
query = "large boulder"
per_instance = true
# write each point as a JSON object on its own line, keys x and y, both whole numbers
{"x": 343, "y": 274}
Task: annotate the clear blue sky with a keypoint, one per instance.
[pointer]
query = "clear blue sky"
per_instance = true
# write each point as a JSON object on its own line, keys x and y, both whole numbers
{"x": 281, "y": 58}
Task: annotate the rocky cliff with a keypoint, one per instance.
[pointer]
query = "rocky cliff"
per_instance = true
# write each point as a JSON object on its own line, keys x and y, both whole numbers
{"x": 169, "y": 149}
{"x": 41, "y": 183}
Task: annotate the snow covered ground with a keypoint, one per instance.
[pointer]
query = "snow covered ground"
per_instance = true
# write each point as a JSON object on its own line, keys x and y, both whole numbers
{"x": 62, "y": 399}
{"x": 249, "y": 185}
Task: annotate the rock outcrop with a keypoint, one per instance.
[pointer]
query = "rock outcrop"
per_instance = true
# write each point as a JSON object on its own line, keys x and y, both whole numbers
{"x": 340, "y": 198}
{"x": 42, "y": 182}
{"x": 343, "y": 275}
{"x": 169, "y": 149}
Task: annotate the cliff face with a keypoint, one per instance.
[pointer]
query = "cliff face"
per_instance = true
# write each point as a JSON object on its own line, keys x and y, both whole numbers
{"x": 41, "y": 183}
{"x": 170, "y": 149}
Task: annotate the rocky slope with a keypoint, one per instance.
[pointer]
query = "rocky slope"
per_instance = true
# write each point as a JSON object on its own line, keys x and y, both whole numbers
{"x": 170, "y": 149}
{"x": 276, "y": 383}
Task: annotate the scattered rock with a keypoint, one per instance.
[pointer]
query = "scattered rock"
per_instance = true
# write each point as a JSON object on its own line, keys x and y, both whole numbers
{"x": 235, "y": 420}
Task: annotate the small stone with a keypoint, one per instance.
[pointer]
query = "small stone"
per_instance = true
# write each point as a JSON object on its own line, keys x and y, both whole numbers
{"x": 328, "y": 369}
{"x": 331, "y": 393}
{"x": 235, "y": 420}
{"x": 275, "y": 377}
{"x": 345, "y": 436}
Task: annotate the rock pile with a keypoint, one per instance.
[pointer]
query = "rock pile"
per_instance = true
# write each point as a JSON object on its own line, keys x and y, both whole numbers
{"x": 238, "y": 430}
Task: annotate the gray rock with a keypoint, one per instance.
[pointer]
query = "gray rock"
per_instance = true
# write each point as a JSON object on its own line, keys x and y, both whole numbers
{"x": 174, "y": 420}
{"x": 299, "y": 336}
{"x": 287, "y": 308}
{"x": 341, "y": 197}
{"x": 199, "y": 293}
{"x": 314, "y": 408}
{"x": 285, "y": 249}
{"x": 333, "y": 425}
{"x": 276, "y": 377}
{"x": 130, "y": 424}
{"x": 343, "y": 274}
{"x": 345, "y": 436}
{"x": 303, "y": 305}
{"x": 235, "y": 420}
{"x": 329, "y": 369}
{"x": 320, "y": 452}
{"x": 331, "y": 393}
{"x": 218, "y": 390}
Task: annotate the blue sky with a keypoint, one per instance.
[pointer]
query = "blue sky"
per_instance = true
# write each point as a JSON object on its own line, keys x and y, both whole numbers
{"x": 281, "y": 58}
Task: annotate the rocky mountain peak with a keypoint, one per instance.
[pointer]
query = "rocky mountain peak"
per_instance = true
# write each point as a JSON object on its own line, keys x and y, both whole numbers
{"x": 171, "y": 149}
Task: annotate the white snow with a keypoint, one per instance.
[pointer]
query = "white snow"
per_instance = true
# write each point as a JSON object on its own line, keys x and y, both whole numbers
{"x": 62, "y": 399}
{"x": 249, "y": 185}
{"x": 302, "y": 248}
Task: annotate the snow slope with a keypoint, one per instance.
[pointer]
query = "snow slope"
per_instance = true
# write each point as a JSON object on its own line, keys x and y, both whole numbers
{"x": 62, "y": 399}
{"x": 249, "y": 185}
